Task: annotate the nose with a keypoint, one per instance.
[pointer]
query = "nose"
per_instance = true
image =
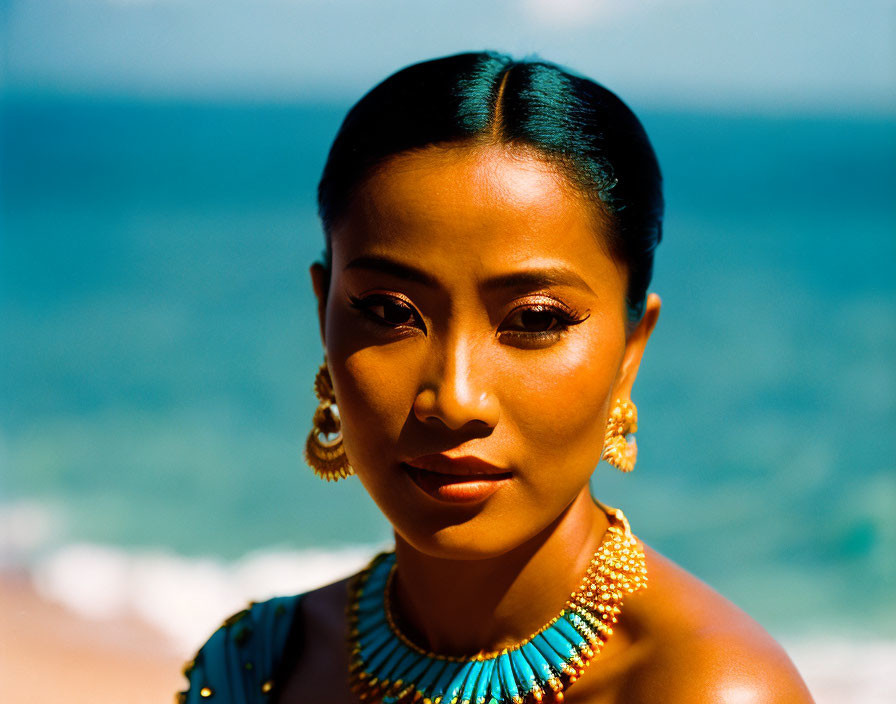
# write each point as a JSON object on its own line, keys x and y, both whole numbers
{"x": 456, "y": 393}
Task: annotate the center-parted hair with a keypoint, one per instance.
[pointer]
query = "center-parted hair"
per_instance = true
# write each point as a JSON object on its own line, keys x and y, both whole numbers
{"x": 486, "y": 97}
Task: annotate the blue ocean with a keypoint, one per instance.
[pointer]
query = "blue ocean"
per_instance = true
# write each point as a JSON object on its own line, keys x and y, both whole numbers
{"x": 158, "y": 343}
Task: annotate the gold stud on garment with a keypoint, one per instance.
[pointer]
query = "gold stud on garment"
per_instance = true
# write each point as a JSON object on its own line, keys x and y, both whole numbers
{"x": 619, "y": 450}
{"x": 324, "y": 451}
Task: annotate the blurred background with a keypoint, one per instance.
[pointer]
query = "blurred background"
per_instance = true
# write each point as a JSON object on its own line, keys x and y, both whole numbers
{"x": 158, "y": 338}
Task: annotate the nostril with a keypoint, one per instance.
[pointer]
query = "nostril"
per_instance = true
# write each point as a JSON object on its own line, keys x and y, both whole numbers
{"x": 455, "y": 411}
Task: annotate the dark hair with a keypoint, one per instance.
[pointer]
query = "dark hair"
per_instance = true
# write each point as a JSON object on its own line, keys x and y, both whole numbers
{"x": 583, "y": 128}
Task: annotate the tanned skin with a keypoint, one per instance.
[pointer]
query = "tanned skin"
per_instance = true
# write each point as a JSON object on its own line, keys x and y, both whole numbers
{"x": 461, "y": 363}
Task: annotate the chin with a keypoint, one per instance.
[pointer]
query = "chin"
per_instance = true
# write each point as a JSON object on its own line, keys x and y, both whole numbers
{"x": 484, "y": 533}
{"x": 461, "y": 542}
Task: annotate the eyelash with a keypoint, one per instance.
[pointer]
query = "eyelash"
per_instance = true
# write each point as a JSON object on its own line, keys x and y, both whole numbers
{"x": 365, "y": 304}
{"x": 565, "y": 318}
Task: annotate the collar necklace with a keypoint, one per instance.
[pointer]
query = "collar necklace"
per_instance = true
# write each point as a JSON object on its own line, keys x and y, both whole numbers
{"x": 385, "y": 666}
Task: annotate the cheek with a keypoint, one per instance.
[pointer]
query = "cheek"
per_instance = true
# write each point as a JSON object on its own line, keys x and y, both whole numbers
{"x": 561, "y": 409}
{"x": 374, "y": 392}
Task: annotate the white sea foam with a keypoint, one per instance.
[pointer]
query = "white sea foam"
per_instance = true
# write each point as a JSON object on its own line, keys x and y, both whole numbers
{"x": 187, "y": 598}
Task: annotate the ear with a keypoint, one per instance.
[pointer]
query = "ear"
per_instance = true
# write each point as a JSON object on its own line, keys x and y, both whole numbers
{"x": 634, "y": 348}
{"x": 320, "y": 280}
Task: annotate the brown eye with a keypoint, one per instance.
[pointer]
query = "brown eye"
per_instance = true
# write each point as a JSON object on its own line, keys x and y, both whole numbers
{"x": 537, "y": 319}
{"x": 536, "y": 326}
{"x": 387, "y": 310}
{"x": 393, "y": 313}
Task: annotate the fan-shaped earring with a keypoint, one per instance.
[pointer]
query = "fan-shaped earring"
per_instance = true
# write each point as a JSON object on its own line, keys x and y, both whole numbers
{"x": 619, "y": 450}
{"x": 324, "y": 451}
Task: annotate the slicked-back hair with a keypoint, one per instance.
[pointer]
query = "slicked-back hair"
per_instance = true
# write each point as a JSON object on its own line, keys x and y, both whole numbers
{"x": 585, "y": 130}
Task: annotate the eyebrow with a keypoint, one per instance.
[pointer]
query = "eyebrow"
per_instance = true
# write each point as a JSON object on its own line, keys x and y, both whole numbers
{"x": 537, "y": 278}
{"x": 525, "y": 279}
{"x": 394, "y": 268}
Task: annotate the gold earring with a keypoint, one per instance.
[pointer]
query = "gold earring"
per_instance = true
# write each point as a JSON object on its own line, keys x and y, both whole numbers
{"x": 619, "y": 451}
{"x": 324, "y": 451}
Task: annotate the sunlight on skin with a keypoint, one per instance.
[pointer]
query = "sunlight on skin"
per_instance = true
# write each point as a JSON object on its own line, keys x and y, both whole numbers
{"x": 536, "y": 407}
{"x": 468, "y": 372}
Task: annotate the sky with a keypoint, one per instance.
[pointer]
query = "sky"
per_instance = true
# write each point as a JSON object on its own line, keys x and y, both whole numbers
{"x": 768, "y": 55}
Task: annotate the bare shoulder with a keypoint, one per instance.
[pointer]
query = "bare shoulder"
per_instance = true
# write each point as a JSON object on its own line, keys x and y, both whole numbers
{"x": 324, "y": 610}
{"x": 318, "y": 672}
{"x": 695, "y": 645}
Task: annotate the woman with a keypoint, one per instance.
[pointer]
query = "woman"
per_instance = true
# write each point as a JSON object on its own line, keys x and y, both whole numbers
{"x": 490, "y": 227}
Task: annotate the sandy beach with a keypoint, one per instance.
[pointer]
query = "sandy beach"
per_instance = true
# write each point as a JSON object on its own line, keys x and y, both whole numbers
{"x": 48, "y": 654}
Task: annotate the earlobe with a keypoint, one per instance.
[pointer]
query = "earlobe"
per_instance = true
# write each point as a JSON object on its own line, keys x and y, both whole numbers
{"x": 635, "y": 345}
{"x": 320, "y": 281}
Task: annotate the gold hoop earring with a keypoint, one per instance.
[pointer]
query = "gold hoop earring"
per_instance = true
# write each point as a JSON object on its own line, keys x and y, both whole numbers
{"x": 620, "y": 451}
{"x": 324, "y": 451}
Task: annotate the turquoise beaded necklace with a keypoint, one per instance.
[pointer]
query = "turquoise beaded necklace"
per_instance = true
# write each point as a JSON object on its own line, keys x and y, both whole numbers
{"x": 385, "y": 666}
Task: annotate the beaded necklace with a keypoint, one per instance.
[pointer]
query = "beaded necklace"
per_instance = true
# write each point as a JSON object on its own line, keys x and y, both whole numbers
{"x": 385, "y": 666}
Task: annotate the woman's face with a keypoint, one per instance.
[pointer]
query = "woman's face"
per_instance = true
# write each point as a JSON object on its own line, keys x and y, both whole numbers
{"x": 472, "y": 311}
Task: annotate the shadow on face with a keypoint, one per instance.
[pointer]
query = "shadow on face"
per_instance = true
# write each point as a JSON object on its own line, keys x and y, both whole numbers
{"x": 472, "y": 309}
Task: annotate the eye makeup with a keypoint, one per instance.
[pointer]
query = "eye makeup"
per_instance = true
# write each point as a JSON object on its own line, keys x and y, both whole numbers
{"x": 537, "y": 322}
{"x": 550, "y": 318}
{"x": 396, "y": 311}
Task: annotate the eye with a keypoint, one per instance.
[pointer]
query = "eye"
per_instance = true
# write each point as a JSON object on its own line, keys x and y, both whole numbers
{"x": 537, "y": 319}
{"x": 389, "y": 311}
{"x": 540, "y": 323}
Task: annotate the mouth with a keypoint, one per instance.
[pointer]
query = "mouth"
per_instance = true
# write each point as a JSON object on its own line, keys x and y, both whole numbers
{"x": 461, "y": 484}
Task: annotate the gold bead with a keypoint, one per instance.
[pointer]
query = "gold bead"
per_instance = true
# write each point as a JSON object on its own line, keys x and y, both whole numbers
{"x": 206, "y": 692}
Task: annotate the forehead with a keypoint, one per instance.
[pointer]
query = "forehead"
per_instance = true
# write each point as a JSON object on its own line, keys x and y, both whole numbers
{"x": 472, "y": 210}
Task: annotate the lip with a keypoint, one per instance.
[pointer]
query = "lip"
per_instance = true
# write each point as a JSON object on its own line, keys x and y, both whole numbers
{"x": 467, "y": 465}
{"x": 466, "y": 480}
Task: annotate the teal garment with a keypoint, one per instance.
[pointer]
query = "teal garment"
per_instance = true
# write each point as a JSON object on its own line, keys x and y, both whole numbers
{"x": 240, "y": 662}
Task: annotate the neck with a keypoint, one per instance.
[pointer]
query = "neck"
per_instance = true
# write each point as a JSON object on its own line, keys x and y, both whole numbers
{"x": 468, "y": 607}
